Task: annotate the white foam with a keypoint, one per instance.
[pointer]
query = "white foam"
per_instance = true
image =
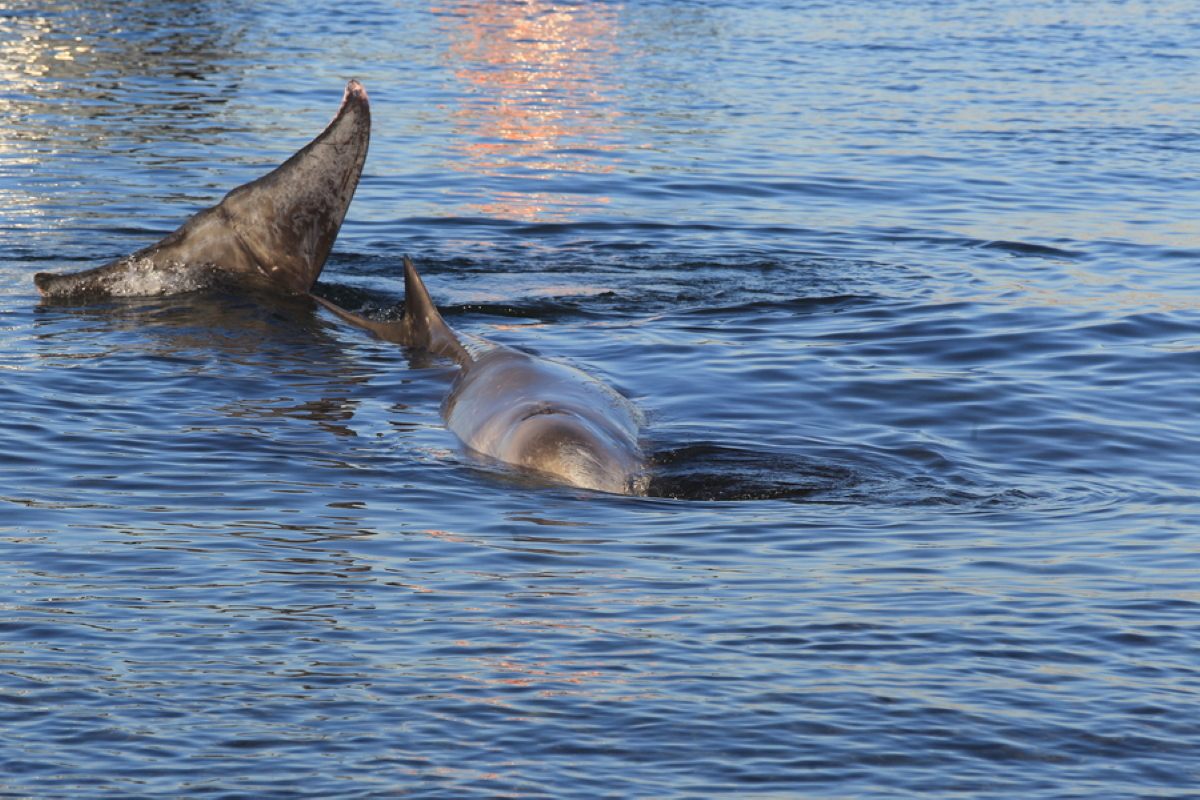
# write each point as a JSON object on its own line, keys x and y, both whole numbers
{"x": 141, "y": 277}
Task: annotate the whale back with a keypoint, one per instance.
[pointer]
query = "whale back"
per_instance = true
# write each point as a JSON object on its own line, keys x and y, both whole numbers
{"x": 549, "y": 418}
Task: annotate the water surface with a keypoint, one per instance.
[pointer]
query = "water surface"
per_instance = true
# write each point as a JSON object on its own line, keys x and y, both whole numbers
{"x": 907, "y": 290}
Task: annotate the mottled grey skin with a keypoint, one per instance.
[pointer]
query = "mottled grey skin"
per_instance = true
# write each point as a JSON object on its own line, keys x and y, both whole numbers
{"x": 273, "y": 233}
{"x": 541, "y": 416}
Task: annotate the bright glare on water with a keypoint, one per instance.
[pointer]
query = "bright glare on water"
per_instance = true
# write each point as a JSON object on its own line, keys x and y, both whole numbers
{"x": 907, "y": 290}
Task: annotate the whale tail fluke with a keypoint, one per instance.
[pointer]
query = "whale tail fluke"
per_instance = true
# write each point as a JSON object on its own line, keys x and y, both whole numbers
{"x": 275, "y": 232}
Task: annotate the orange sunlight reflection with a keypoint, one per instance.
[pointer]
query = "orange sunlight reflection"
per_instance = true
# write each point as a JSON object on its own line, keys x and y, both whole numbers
{"x": 551, "y": 657}
{"x": 536, "y": 99}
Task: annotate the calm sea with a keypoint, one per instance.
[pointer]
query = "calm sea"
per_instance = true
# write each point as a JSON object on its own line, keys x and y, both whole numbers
{"x": 909, "y": 291}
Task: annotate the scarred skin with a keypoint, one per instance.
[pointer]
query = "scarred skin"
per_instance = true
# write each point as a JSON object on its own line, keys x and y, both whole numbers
{"x": 273, "y": 233}
{"x": 542, "y": 416}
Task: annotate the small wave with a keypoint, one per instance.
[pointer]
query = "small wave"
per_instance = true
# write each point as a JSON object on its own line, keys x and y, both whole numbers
{"x": 583, "y": 284}
{"x": 1026, "y": 249}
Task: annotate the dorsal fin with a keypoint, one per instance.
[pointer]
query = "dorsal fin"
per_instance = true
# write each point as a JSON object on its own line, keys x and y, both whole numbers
{"x": 426, "y": 323}
{"x": 422, "y": 325}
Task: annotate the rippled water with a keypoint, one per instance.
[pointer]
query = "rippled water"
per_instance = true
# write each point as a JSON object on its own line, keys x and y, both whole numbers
{"x": 908, "y": 291}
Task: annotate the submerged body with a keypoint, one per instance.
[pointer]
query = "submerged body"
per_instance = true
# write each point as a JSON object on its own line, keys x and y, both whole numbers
{"x": 542, "y": 416}
{"x": 273, "y": 233}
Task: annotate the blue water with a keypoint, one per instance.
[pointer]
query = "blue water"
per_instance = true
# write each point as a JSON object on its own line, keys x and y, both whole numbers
{"x": 908, "y": 290}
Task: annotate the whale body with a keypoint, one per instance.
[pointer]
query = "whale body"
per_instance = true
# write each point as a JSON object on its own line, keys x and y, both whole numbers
{"x": 273, "y": 233}
{"x": 541, "y": 416}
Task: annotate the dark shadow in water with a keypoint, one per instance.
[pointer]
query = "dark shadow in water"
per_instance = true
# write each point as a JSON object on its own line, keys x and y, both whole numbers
{"x": 716, "y": 472}
{"x": 719, "y": 472}
{"x": 213, "y": 315}
{"x": 270, "y": 355}
{"x": 574, "y": 285}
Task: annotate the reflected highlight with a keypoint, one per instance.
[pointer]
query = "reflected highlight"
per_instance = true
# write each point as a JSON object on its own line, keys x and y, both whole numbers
{"x": 539, "y": 100}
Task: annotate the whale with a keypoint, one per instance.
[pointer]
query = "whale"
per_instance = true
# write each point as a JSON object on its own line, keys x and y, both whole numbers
{"x": 272, "y": 234}
{"x": 543, "y": 417}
